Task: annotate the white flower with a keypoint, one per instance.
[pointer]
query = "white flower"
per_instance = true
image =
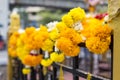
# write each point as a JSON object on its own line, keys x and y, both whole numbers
{"x": 46, "y": 54}
{"x": 51, "y": 25}
{"x": 27, "y": 66}
{"x": 106, "y": 18}
{"x": 33, "y": 52}
{"x": 21, "y": 31}
{"x": 78, "y": 26}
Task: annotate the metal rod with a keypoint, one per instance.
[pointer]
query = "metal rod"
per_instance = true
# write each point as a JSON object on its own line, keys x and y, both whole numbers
{"x": 54, "y": 73}
{"x": 78, "y": 72}
{"x": 111, "y": 47}
{"x": 75, "y": 66}
{"x": 33, "y": 74}
{"x": 41, "y": 76}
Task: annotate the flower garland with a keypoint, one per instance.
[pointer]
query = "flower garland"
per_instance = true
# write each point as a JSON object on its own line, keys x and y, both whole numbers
{"x": 100, "y": 40}
{"x": 65, "y": 35}
{"x": 68, "y": 48}
{"x": 69, "y": 29}
{"x": 12, "y": 44}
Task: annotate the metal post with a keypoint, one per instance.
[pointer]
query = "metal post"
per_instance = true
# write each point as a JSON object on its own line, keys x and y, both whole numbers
{"x": 41, "y": 76}
{"x": 33, "y": 74}
{"x": 54, "y": 73}
{"x": 91, "y": 62}
{"x": 75, "y": 66}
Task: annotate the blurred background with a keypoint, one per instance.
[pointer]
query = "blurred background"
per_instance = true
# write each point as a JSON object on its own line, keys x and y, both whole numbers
{"x": 36, "y": 12}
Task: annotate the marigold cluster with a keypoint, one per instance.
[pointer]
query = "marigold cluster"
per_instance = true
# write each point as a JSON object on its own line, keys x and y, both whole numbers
{"x": 67, "y": 47}
{"x": 12, "y": 44}
{"x": 32, "y": 60}
{"x": 100, "y": 39}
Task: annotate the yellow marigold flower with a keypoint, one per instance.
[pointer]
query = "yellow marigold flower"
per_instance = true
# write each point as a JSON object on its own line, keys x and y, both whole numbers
{"x": 57, "y": 57}
{"x": 22, "y": 52}
{"x": 32, "y": 60}
{"x": 72, "y": 35}
{"x": 46, "y": 62}
{"x": 61, "y": 57}
{"x": 54, "y": 34}
{"x": 102, "y": 31}
{"x": 61, "y": 26}
{"x": 48, "y": 45}
{"x": 12, "y": 44}
{"x": 33, "y": 39}
{"x": 88, "y": 26}
{"x": 13, "y": 39}
{"x": 26, "y": 71}
{"x": 67, "y": 47}
{"x": 97, "y": 45}
{"x": 29, "y": 30}
{"x": 54, "y": 56}
{"x": 43, "y": 28}
{"x": 67, "y": 19}
{"x": 77, "y": 14}
{"x": 12, "y": 52}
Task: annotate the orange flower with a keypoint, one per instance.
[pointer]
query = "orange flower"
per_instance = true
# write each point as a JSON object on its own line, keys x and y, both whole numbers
{"x": 72, "y": 35}
{"x": 32, "y": 60}
{"x": 67, "y": 47}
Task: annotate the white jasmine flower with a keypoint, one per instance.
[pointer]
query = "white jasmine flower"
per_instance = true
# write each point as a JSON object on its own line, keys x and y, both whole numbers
{"x": 106, "y": 18}
{"x": 78, "y": 26}
{"x": 21, "y": 31}
{"x": 34, "y": 52}
{"x": 51, "y": 25}
{"x": 46, "y": 54}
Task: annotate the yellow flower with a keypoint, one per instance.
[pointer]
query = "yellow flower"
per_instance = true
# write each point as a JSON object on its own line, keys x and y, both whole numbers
{"x": 46, "y": 62}
{"x": 61, "y": 26}
{"x": 43, "y": 28}
{"x": 102, "y": 31}
{"x": 33, "y": 39}
{"x": 61, "y": 57}
{"x": 48, "y": 45}
{"x": 67, "y": 19}
{"x": 12, "y": 44}
{"x": 32, "y": 60}
{"x": 22, "y": 52}
{"x": 29, "y": 30}
{"x": 72, "y": 35}
{"x": 26, "y": 71}
{"x": 12, "y": 52}
{"x": 67, "y": 46}
{"x": 77, "y": 14}
{"x": 89, "y": 24}
{"x": 97, "y": 45}
{"x": 54, "y": 34}
{"x": 57, "y": 57}
{"x": 54, "y": 56}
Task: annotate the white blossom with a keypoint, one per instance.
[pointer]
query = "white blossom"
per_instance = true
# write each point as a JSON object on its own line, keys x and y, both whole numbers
{"x": 78, "y": 26}
{"x": 51, "y": 25}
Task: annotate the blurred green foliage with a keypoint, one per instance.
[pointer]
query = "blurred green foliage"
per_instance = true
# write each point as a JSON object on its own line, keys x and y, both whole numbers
{"x": 49, "y": 15}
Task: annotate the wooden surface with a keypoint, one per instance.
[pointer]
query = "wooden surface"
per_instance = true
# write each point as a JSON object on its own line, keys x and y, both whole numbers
{"x": 114, "y": 21}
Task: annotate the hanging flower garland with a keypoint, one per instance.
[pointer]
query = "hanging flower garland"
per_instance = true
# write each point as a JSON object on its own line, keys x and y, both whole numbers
{"x": 100, "y": 40}
{"x": 74, "y": 18}
{"x": 73, "y": 29}
{"x": 57, "y": 57}
{"x": 69, "y": 30}
{"x": 12, "y": 44}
